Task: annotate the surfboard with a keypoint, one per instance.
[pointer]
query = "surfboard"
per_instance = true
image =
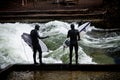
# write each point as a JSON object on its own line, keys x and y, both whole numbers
{"x": 83, "y": 26}
{"x": 27, "y": 38}
{"x": 66, "y": 43}
{"x": 80, "y": 29}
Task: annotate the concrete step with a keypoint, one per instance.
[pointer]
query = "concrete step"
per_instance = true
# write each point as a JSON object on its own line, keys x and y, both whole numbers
{"x": 75, "y": 11}
{"x": 44, "y": 15}
{"x": 59, "y": 13}
{"x": 26, "y": 12}
{"x": 51, "y": 15}
{"x": 47, "y": 20}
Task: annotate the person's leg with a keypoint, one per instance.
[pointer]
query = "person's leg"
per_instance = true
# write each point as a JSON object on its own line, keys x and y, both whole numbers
{"x": 76, "y": 53}
{"x": 34, "y": 55}
{"x": 70, "y": 55}
{"x": 40, "y": 54}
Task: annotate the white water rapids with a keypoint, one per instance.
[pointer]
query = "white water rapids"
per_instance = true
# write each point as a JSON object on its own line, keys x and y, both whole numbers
{"x": 13, "y": 49}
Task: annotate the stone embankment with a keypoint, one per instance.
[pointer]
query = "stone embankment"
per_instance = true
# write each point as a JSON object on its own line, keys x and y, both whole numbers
{"x": 48, "y": 15}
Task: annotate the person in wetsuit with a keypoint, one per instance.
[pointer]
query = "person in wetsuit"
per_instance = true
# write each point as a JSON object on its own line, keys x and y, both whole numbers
{"x": 74, "y": 36}
{"x": 35, "y": 43}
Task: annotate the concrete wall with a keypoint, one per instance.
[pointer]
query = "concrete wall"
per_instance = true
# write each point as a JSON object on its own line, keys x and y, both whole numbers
{"x": 92, "y": 2}
{"x": 83, "y": 2}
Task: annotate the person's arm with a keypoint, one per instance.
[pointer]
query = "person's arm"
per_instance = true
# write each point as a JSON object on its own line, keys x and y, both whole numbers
{"x": 78, "y": 36}
{"x": 41, "y": 37}
{"x": 68, "y": 35}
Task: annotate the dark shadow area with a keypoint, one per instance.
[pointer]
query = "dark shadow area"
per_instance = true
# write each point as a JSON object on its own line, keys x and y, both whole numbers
{"x": 84, "y": 69}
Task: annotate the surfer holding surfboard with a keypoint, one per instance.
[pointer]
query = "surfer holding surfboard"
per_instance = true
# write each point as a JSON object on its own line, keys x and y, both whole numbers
{"x": 35, "y": 43}
{"x": 74, "y": 36}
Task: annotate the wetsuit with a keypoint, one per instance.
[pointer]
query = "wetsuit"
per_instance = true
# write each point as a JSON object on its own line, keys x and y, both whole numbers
{"x": 36, "y": 46}
{"x": 74, "y": 37}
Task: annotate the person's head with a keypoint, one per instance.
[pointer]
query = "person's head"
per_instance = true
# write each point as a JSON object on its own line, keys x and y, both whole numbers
{"x": 37, "y": 27}
{"x": 72, "y": 26}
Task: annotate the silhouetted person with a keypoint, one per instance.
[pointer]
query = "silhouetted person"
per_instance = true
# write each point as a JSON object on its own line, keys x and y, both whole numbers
{"x": 74, "y": 37}
{"x": 35, "y": 42}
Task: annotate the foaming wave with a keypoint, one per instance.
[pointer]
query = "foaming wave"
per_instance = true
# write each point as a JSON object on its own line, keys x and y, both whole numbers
{"x": 101, "y": 38}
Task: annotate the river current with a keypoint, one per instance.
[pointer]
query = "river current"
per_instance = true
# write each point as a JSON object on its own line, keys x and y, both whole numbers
{"x": 97, "y": 46}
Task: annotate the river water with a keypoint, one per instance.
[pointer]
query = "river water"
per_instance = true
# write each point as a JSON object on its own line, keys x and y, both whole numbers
{"x": 97, "y": 46}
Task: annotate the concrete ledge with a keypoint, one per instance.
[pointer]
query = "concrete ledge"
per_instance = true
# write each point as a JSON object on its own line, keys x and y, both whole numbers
{"x": 59, "y": 67}
{"x": 74, "y": 67}
{"x": 81, "y": 67}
